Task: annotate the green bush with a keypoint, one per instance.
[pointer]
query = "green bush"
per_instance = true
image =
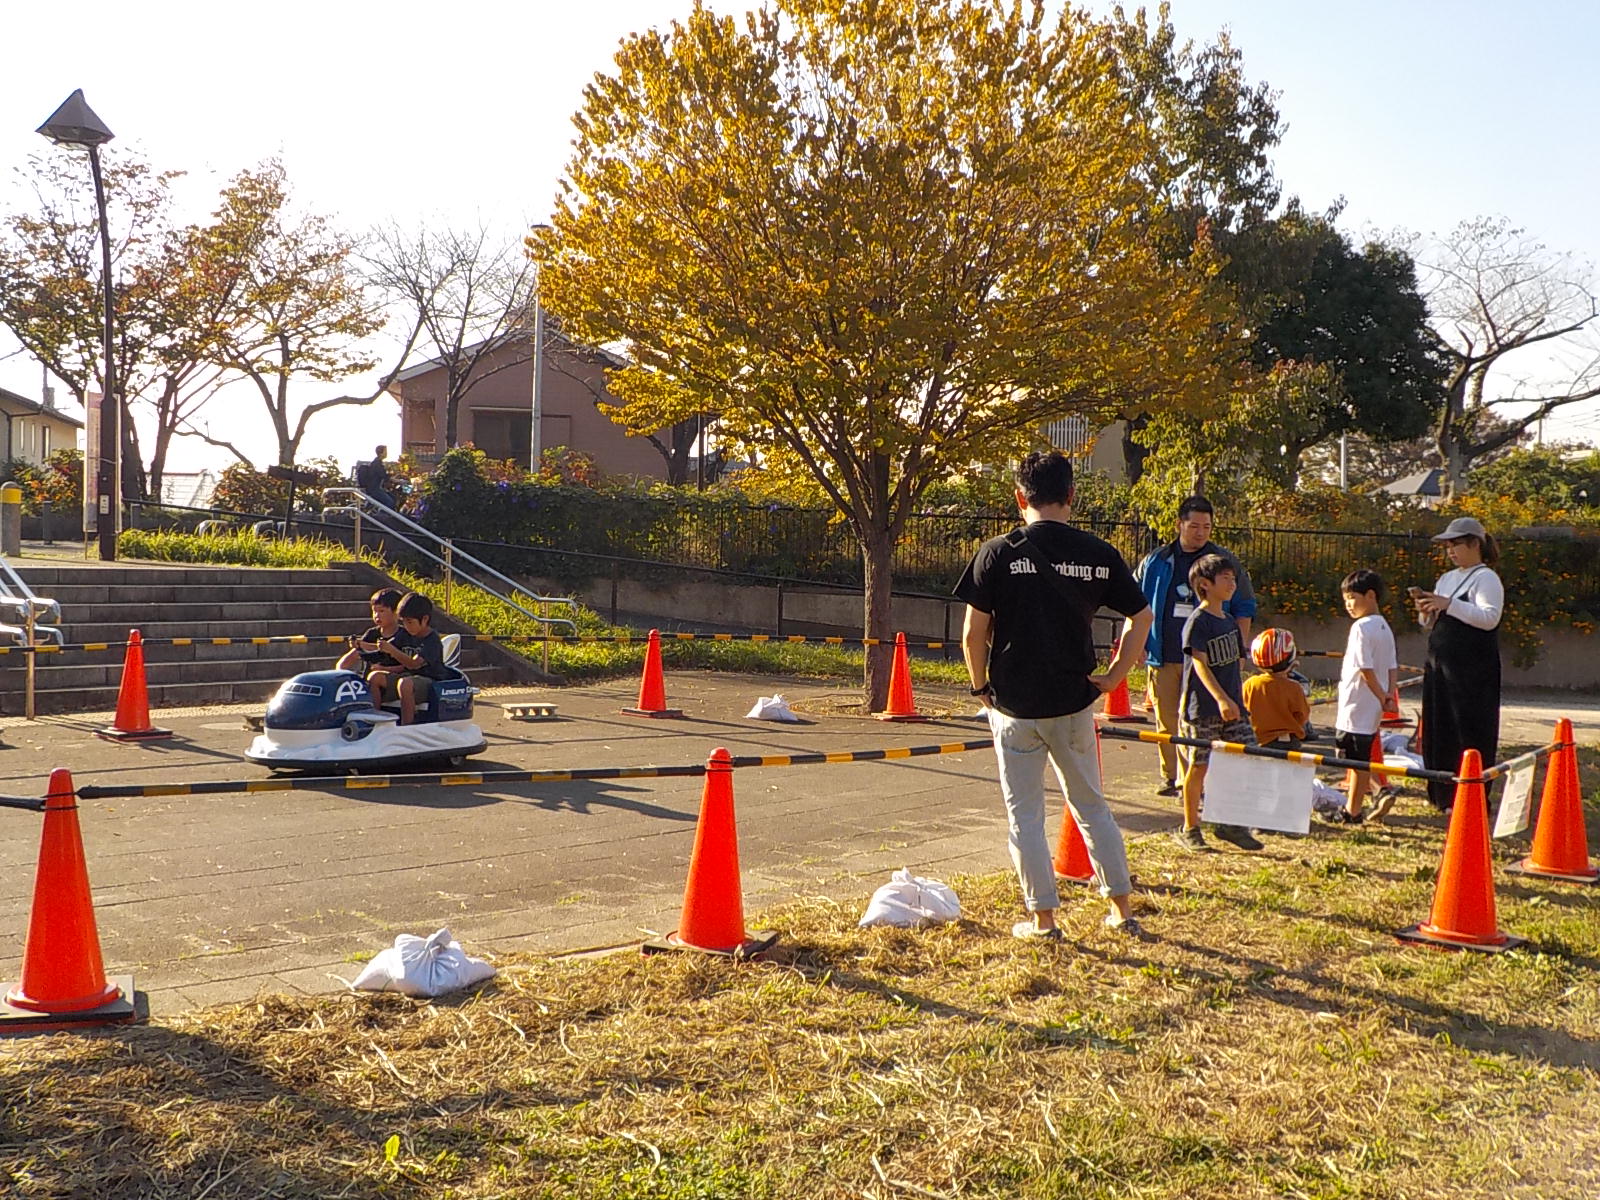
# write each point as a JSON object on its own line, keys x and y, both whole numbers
{"x": 237, "y": 548}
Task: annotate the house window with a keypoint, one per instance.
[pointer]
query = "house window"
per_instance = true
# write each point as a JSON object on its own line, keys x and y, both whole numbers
{"x": 502, "y": 433}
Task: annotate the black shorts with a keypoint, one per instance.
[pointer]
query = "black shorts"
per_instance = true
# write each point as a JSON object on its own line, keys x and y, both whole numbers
{"x": 1354, "y": 745}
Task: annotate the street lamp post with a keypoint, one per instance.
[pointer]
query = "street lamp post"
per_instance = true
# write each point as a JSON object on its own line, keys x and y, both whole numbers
{"x": 75, "y": 124}
{"x": 535, "y": 448}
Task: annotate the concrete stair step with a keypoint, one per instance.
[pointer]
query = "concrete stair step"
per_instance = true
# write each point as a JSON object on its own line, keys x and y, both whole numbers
{"x": 334, "y": 614}
{"x": 179, "y": 574}
{"x": 249, "y": 595}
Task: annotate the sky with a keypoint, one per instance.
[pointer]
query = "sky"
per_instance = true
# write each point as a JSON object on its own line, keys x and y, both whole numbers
{"x": 1419, "y": 114}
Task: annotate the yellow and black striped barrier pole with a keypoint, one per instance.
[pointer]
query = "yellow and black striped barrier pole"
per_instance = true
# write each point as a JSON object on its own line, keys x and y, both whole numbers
{"x": 1303, "y": 757}
{"x": 471, "y": 778}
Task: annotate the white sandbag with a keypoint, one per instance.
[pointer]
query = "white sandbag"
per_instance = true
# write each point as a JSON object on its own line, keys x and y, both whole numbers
{"x": 908, "y": 900}
{"x": 771, "y": 708}
{"x": 418, "y": 966}
{"x": 1326, "y": 799}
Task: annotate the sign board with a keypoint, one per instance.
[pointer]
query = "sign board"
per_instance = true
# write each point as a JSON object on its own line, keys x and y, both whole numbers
{"x": 1515, "y": 801}
{"x": 1258, "y": 793}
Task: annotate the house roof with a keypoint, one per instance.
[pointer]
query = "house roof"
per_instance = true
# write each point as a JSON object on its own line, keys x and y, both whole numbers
{"x": 1422, "y": 483}
{"x": 554, "y": 335}
{"x": 35, "y": 406}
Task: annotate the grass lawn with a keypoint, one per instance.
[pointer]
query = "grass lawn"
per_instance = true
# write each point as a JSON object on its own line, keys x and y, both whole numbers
{"x": 1272, "y": 1040}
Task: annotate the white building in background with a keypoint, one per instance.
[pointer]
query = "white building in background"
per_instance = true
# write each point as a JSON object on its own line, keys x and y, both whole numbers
{"x": 32, "y": 431}
{"x": 188, "y": 489}
{"x": 1090, "y": 449}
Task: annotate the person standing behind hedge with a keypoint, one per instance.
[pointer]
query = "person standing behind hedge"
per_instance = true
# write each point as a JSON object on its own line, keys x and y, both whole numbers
{"x": 1461, "y": 680}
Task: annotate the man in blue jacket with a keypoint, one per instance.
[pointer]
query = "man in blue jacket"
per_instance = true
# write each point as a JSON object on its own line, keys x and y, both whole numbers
{"x": 1164, "y": 579}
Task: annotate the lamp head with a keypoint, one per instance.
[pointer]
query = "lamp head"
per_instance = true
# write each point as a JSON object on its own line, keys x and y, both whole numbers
{"x": 75, "y": 124}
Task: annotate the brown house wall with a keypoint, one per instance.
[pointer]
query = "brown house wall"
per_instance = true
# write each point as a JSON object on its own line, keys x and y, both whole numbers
{"x": 570, "y": 415}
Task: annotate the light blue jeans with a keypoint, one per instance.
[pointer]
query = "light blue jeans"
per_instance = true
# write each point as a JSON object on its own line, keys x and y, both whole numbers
{"x": 1021, "y": 746}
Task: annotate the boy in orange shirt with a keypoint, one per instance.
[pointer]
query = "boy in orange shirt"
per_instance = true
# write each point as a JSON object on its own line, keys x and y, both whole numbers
{"x": 1277, "y": 705}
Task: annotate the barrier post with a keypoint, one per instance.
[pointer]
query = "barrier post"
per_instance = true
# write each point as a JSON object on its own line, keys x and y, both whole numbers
{"x": 10, "y": 518}
{"x": 449, "y": 574}
{"x": 33, "y": 662}
{"x": 544, "y": 653}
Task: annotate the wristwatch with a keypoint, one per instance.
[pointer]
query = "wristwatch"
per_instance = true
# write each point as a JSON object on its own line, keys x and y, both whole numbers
{"x": 981, "y": 691}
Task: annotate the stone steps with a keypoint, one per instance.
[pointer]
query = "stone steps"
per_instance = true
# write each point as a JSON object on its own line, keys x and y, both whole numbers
{"x": 102, "y": 604}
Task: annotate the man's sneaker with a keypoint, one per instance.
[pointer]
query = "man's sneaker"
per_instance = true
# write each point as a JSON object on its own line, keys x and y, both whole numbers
{"x": 1190, "y": 839}
{"x": 1029, "y": 932}
{"x": 1128, "y": 927}
{"x": 1169, "y": 789}
{"x": 1237, "y": 835}
{"x": 1382, "y": 803}
{"x": 1342, "y": 816}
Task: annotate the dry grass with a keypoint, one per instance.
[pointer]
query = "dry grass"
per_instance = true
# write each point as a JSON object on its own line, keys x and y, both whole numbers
{"x": 1272, "y": 1041}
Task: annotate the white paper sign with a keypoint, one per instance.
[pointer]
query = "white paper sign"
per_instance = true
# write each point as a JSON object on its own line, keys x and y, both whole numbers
{"x": 1514, "y": 801}
{"x": 1258, "y": 793}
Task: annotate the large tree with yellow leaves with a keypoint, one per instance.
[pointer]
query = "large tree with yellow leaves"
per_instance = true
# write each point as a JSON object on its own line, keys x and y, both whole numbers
{"x": 881, "y": 238}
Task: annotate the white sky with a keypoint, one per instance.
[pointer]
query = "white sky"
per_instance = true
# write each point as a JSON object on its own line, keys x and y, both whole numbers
{"x": 1420, "y": 113}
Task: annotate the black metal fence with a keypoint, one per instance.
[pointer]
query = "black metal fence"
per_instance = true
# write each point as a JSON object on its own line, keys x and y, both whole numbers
{"x": 651, "y": 536}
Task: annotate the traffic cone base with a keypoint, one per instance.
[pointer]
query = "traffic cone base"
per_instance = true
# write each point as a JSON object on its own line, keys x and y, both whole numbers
{"x": 756, "y": 943}
{"x": 112, "y": 734}
{"x": 127, "y": 1006}
{"x": 1426, "y": 935}
{"x": 902, "y": 707}
{"x": 1528, "y": 867}
{"x": 652, "y": 712}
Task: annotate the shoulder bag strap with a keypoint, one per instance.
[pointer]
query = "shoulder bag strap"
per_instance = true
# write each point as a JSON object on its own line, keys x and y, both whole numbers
{"x": 1020, "y": 540}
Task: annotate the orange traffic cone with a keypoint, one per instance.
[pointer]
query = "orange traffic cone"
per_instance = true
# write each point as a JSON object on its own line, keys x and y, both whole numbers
{"x": 1463, "y": 916}
{"x": 132, "y": 722}
{"x": 653, "y": 688}
{"x": 63, "y": 979}
{"x": 901, "y": 706}
{"x": 713, "y": 908}
{"x": 1072, "y": 852}
{"x": 1560, "y": 842}
{"x": 1376, "y": 757}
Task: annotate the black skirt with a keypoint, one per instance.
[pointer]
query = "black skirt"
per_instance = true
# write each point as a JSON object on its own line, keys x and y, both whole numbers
{"x": 1460, "y": 700}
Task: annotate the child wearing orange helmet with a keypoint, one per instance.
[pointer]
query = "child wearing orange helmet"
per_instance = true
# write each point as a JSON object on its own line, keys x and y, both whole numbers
{"x": 1277, "y": 705}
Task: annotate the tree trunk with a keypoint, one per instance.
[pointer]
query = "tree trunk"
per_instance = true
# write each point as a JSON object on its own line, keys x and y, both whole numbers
{"x": 1133, "y": 454}
{"x": 452, "y": 419}
{"x": 877, "y": 555}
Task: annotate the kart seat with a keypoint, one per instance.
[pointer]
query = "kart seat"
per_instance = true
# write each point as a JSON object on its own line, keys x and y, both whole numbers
{"x": 452, "y": 649}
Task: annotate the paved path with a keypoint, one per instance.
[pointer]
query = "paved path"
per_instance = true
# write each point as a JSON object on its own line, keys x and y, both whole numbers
{"x": 212, "y": 898}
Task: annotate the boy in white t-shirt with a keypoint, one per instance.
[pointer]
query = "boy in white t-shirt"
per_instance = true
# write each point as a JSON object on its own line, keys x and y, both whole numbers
{"x": 1368, "y": 677}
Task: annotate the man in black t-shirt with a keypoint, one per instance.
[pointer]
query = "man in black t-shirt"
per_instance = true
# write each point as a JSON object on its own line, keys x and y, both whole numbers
{"x": 1031, "y": 599}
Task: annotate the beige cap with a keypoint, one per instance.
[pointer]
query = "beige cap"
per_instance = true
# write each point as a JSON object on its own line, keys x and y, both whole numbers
{"x": 1462, "y": 527}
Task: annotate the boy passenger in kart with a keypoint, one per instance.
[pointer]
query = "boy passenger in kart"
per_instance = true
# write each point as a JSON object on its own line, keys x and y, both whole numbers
{"x": 364, "y": 652}
{"x": 416, "y": 654}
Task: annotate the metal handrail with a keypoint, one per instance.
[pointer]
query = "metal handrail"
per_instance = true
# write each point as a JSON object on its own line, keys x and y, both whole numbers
{"x": 18, "y": 601}
{"x": 452, "y": 557}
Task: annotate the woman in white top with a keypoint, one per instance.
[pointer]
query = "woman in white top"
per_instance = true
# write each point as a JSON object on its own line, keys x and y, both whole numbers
{"x": 1461, "y": 683}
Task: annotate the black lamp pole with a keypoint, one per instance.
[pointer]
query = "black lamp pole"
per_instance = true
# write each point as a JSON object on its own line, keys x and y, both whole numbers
{"x": 75, "y": 124}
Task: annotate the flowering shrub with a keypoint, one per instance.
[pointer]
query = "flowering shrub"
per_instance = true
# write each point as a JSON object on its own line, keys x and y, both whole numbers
{"x": 59, "y": 480}
{"x": 242, "y": 488}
